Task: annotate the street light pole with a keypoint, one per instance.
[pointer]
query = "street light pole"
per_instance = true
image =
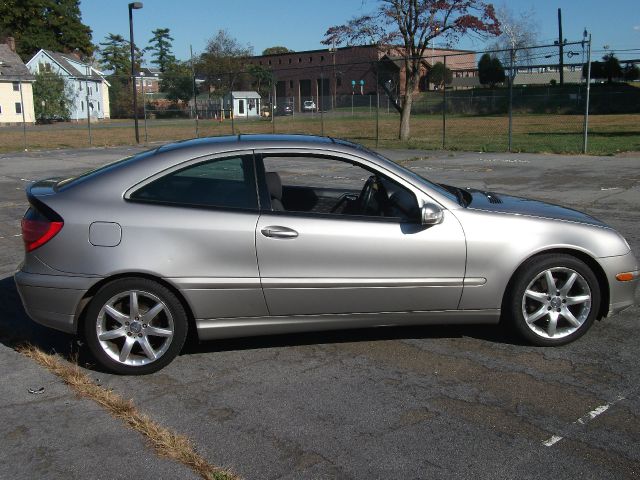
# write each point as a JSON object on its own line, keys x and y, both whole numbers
{"x": 134, "y": 6}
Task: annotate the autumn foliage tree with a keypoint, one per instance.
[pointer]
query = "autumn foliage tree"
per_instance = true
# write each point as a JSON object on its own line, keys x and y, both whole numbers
{"x": 412, "y": 25}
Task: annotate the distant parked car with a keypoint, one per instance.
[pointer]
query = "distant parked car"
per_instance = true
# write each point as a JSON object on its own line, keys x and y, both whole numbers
{"x": 308, "y": 106}
{"x": 261, "y": 234}
{"x": 284, "y": 109}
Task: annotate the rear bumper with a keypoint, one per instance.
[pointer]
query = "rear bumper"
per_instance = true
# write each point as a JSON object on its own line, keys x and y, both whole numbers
{"x": 53, "y": 300}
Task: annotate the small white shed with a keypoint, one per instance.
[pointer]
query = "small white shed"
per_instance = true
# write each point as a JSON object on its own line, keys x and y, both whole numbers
{"x": 245, "y": 104}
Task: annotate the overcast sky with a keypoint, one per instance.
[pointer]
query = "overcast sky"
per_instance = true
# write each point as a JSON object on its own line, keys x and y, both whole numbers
{"x": 300, "y": 24}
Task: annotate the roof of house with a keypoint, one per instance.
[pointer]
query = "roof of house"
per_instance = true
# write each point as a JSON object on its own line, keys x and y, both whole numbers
{"x": 245, "y": 94}
{"x": 150, "y": 72}
{"x": 72, "y": 65}
{"x": 11, "y": 66}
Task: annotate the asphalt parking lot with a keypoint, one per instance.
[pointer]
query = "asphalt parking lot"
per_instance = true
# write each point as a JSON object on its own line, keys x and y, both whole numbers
{"x": 407, "y": 403}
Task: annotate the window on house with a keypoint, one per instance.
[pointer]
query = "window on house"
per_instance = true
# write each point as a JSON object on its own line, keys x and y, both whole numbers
{"x": 241, "y": 107}
{"x": 289, "y": 60}
{"x": 18, "y": 107}
{"x": 16, "y": 86}
{"x": 339, "y": 82}
{"x": 299, "y": 59}
{"x": 279, "y": 61}
{"x": 269, "y": 62}
{"x": 322, "y": 58}
{"x": 310, "y": 59}
{"x": 290, "y": 83}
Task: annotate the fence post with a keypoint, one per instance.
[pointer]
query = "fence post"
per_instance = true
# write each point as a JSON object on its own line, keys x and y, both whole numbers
{"x": 444, "y": 104}
{"x": 512, "y": 77}
{"x": 320, "y": 99}
{"x": 195, "y": 96}
{"x": 377, "y": 107}
{"x": 586, "y": 107}
{"x": 273, "y": 110}
{"x": 24, "y": 122}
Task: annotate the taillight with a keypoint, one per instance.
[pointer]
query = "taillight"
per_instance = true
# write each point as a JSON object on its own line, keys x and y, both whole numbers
{"x": 38, "y": 229}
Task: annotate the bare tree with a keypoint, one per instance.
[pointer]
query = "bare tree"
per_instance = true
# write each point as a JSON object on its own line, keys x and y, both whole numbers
{"x": 411, "y": 25}
{"x": 519, "y": 31}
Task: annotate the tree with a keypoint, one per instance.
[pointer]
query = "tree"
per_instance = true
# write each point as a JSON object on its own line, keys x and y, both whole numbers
{"x": 177, "y": 82}
{"x": 115, "y": 54}
{"x": 276, "y": 50}
{"x": 262, "y": 79}
{"x": 51, "y": 98}
{"x": 517, "y": 32}
{"x": 414, "y": 24}
{"x": 223, "y": 61}
{"x": 160, "y": 48}
{"x": 631, "y": 72}
{"x": 612, "y": 67}
{"x": 609, "y": 68}
{"x": 51, "y": 24}
{"x": 440, "y": 75}
{"x": 490, "y": 70}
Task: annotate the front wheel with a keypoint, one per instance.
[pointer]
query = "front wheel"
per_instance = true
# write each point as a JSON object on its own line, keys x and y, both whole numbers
{"x": 554, "y": 300}
{"x": 135, "y": 326}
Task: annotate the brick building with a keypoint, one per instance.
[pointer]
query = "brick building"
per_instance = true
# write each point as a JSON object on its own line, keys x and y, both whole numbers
{"x": 330, "y": 73}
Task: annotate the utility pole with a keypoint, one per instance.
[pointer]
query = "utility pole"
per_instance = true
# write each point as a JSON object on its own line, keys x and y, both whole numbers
{"x": 561, "y": 46}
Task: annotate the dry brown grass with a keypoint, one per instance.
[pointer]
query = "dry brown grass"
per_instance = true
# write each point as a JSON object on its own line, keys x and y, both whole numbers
{"x": 163, "y": 441}
{"x": 531, "y": 133}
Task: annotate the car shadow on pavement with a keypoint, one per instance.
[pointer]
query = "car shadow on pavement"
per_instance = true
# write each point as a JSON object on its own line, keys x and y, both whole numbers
{"x": 16, "y": 328}
{"x": 485, "y": 333}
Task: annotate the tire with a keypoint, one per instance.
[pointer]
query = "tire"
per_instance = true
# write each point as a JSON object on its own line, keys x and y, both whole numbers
{"x": 554, "y": 300}
{"x": 130, "y": 342}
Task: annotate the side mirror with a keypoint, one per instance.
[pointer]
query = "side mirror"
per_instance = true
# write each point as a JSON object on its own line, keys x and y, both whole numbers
{"x": 431, "y": 214}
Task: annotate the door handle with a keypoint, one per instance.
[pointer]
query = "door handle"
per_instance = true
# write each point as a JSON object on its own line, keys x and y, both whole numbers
{"x": 276, "y": 231}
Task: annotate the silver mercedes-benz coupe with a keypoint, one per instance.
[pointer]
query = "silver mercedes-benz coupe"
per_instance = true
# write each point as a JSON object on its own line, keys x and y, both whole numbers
{"x": 263, "y": 234}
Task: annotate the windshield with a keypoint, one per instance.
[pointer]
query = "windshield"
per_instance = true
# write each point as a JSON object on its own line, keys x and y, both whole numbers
{"x": 451, "y": 195}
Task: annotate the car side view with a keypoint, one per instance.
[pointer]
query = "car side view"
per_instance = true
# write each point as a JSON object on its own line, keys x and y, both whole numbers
{"x": 265, "y": 234}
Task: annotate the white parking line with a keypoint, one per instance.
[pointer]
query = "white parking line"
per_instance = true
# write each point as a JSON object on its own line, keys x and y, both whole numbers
{"x": 583, "y": 420}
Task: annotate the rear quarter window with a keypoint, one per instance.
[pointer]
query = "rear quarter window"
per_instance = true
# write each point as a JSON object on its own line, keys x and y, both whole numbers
{"x": 221, "y": 183}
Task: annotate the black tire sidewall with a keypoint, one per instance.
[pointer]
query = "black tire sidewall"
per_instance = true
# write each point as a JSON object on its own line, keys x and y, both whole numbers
{"x": 115, "y": 287}
{"x": 527, "y": 272}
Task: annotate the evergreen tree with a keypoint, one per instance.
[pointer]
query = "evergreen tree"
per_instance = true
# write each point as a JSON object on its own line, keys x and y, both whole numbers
{"x": 50, "y": 24}
{"x": 160, "y": 48}
{"x": 490, "y": 70}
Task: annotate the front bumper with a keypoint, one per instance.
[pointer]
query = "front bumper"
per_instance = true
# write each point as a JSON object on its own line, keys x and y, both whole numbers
{"x": 53, "y": 300}
{"x": 622, "y": 295}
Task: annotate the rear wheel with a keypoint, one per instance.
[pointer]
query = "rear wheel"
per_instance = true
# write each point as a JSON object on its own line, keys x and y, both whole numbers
{"x": 555, "y": 299}
{"x": 135, "y": 326}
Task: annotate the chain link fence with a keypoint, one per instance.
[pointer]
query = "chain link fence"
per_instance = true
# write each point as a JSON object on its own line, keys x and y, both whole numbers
{"x": 535, "y": 99}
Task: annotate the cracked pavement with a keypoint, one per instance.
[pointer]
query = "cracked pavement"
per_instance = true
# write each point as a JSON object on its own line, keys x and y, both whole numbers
{"x": 412, "y": 403}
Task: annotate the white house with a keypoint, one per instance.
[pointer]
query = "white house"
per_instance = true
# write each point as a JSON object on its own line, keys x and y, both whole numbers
{"x": 243, "y": 104}
{"x": 16, "y": 93}
{"x": 86, "y": 85}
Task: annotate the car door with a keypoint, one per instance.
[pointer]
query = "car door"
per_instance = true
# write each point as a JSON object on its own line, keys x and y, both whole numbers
{"x": 322, "y": 262}
{"x": 196, "y": 225}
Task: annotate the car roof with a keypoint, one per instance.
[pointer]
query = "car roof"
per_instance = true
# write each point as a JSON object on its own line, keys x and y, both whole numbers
{"x": 257, "y": 141}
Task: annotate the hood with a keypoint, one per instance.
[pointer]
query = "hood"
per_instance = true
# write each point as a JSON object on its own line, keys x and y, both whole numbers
{"x": 497, "y": 202}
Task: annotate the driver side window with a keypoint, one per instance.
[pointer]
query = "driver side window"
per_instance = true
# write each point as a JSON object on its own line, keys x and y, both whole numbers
{"x": 330, "y": 186}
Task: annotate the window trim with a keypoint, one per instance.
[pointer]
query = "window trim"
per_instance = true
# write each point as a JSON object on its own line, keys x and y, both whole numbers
{"x": 192, "y": 163}
{"x": 265, "y": 198}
